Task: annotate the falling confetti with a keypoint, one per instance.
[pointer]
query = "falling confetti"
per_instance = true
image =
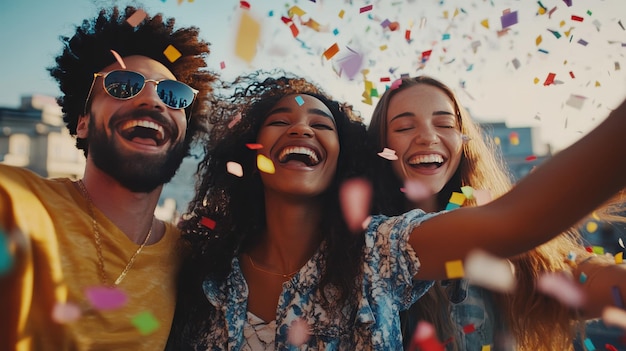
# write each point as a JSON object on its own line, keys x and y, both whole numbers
{"x": 355, "y": 196}
{"x": 489, "y": 271}
{"x": 106, "y": 298}
{"x": 264, "y": 164}
{"x": 234, "y": 168}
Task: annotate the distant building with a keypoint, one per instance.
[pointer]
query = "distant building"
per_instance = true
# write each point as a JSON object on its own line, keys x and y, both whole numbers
{"x": 34, "y": 136}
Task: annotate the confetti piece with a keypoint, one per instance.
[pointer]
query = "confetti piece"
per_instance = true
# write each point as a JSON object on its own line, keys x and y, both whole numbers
{"x": 366, "y": 8}
{"x": 351, "y": 64}
{"x": 234, "y": 168}
{"x": 331, "y": 51}
{"x": 549, "y": 79}
{"x": 598, "y": 250}
{"x": 254, "y": 146}
{"x": 562, "y": 288}
{"x": 582, "y": 42}
{"x": 136, "y": 17}
{"x": 468, "y": 191}
{"x": 454, "y": 269}
{"x": 576, "y": 101}
{"x": 396, "y": 84}
{"x": 416, "y": 190}
{"x": 589, "y": 345}
{"x": 619, "y": 257}
{"x": 118, "y": 58}
{"x": 577, "y": 18}
{"x": 244, "y": 5}
{"x": 538, "y": 40}
{"x": 469, "y": 328}
{"x": 341, "y": 14}
{"x": 582, "y": 278}
{"x": 235, "y": 120}
{"x": 591, "y": 226}
{"x": 508, "y": 19}
{"x": 106, "y": 298}
{"x": 568, "y": 3}
{"x": 207, "y": 222}
{"x": 6, "y": 258}
{"x": 248, "y": 35}
{"x": 355, "y": 197}
{"x": 516, "y": 63}
{"x": 482, "y": 196}
{"x": 485, "y": 23}
{"x": 407, "y": 35}
{"x": 488, "y": 271}
{"x": 172, "y": 53}
{"x": 222, "y": 65}
{"x": 63, "y": 313}
{"x": 530, "y": 158}
{"x": 457, "y": 198}
{"x": 425, "y": 338}
{"x": 394, "y": 26}
{"x": 613, "y": 316}
{"x": 299, "y": 100}
{"x": 388, "y": 154}
{"x": 298, "y": 333}
{"x": 486, "y": 348}
{"x": 145, "y": 322}
{"x": 514, "y": 138}
{"x": 264, "y": 164}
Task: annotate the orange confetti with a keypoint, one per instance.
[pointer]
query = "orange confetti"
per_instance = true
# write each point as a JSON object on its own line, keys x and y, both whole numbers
{"x": 172, "y": 53}
{"x": 331, "y": 51}
{"x": 248, "y": 35}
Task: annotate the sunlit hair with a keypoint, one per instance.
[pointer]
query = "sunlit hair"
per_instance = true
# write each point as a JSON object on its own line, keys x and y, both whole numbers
{"x": 88, "y": 51}
{"x": 537, "y": 322}
{"x": 236, "y": 204}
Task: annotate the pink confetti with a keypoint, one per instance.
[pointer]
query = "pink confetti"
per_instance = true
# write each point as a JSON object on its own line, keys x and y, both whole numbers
{"x": 396, "y": 84}
{"x": 425, "y": 338}
{"x": 366, "y": 8}
{"x": 298, "y": 333}
{"x": 235, "y": 120}
{"x": 355, "y": 196}
{"x": 137, "y": 17}
{"x": 562, "y": 288}
{"x": 416, "y": 190}
{"x": 388, "y": 154}
{"x": 488, "y": 271}
{"x": 614, "y": 316}
{"x": 222, "y": 65}
{"x": 119, "y": 59}
{"x": 65, "y": 313}
{"x": 106, "y": 298}
{"x": 234, "y": 168}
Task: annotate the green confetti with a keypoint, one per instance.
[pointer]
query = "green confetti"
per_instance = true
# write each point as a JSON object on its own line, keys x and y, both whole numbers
{"x": 145, "y": 322}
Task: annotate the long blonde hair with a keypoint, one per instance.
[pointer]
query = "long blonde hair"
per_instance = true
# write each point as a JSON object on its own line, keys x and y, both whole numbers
{"x": 536, "y": 321}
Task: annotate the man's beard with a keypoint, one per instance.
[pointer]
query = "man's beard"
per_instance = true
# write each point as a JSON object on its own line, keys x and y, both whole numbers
{"x": 137, "y": 172}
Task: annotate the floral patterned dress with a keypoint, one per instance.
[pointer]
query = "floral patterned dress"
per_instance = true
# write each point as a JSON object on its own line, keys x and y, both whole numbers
{"x": 368, "y": 321}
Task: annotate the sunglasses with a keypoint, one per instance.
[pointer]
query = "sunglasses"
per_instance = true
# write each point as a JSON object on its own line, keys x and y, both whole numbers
{"x": 125, "y": 85}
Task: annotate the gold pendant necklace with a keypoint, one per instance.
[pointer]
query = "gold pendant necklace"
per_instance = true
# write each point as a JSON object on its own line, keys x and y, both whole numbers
{"x": 284, "y": 275}
{"x": 98, "y": 240}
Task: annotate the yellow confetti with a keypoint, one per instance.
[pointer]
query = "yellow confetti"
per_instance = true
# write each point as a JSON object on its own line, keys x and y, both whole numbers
{"x": 454, "y": 269}
{"x": 264, "y": 164}
{"x": 536, "y": 80}
{"x": 295, "y": 10}
{"x": 562, "y": 23}
{"x": 383, "y": 47}
{"x": 592, "y": 226}
{"x": 172, "y": 53}
{"x": 619, "y": 258}
{"x": 538, "y": 40}
{"x": 595, "y": 216}
{"x": 485, "y": 23}
{"x": 445, "y": 14}
{"x": 597, "y": 83}
{"x": 497, "y": 140}
{"x": 247, "y": 37}
{"x": 486, "y": 348}
{"x": 541, "y": 11}
{"x": 456, "y": 13}
{"x": 457, "y": 198}
{"x": 341, "y": 13}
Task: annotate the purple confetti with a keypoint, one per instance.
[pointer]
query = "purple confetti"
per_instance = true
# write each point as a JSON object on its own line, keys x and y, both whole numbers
{"x": 508, "y": 19}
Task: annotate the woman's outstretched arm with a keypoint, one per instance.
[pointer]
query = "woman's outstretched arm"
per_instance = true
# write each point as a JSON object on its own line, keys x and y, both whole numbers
{"x": 545, "y": 203}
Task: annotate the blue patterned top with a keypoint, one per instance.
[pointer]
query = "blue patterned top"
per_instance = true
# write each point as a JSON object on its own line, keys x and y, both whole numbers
{"x": 369, "y": 321}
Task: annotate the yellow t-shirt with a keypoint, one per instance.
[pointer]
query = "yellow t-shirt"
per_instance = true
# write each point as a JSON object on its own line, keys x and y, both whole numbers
{"x": 55, "y": 262}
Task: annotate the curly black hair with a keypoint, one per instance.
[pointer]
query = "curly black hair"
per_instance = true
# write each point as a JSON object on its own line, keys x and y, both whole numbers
{"x": 89, "y": 50}
{"x": 236, "y": 204}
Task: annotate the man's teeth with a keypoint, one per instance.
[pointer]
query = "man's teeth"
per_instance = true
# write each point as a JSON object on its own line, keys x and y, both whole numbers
{"x": 433, "y": 158}
{"x": 160, "y": 133}
{"x": 298, "y": 150}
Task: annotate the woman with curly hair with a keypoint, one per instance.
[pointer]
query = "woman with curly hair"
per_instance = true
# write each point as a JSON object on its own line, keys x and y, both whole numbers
{"x": 78, "y": 244}
{"x": 440, "y": 147}
{"x": 274, "y": 264}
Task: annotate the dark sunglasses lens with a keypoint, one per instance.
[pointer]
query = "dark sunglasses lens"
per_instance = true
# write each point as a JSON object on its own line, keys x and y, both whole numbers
{"x": 175, "y": 94}
{"x": 123, "y": 84}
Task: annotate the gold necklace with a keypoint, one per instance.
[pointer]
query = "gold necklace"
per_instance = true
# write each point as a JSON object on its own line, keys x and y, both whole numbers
{"x": 98, "y": 240}
{"x": 284, "y": 275}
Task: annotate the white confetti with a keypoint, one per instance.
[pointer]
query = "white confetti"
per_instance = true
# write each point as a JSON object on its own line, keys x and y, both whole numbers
{"x": 489, "y": 271}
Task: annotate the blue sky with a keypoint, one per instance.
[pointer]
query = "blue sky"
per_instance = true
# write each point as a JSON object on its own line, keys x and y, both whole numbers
{"x": 494, "y": 75}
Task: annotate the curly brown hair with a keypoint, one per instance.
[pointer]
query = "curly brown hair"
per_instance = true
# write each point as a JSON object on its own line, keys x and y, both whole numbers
{"x": 237, "y": 205}
{"x": 89, "y": 50}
